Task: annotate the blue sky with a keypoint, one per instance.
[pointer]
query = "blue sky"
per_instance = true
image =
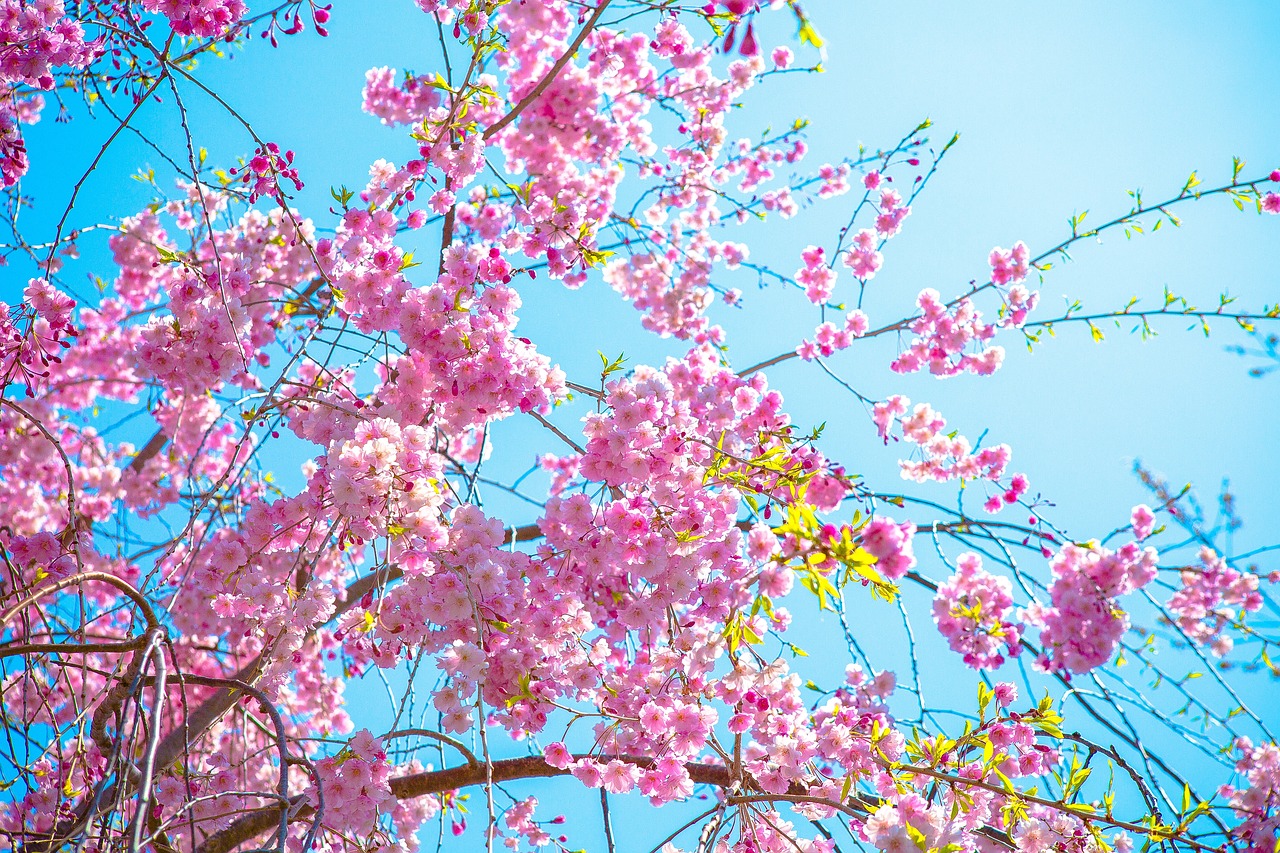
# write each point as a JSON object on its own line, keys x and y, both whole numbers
{"x": 1061, "y": 109}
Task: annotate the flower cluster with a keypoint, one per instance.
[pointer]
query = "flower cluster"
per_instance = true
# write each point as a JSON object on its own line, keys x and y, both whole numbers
{"x": 943, "y": 333}
{"x": 202, "y": 18}
{"x": 1083, "y": 625}
{"x": 1213, "y": 597}
{"x": 890, "y": 543}
{"x": 405, "y": 102}
{"x": 200, "y": 344}
{"x": 519, "y": 819}
{"x": 1009, "y": 268}
{"x": 1257, "y": 804}
{"x": 891, "y": 827}
{"x": 754, "y": 162}
{"x": 385, "y": 475}
{"x": 1051, "y": 830}
{"x": 834, "y": 180}
{"x": 76, "y": 766}
{"x": 829, "y": 337}
{"x": 817, "y": 279}
{"x": 971, "y": 611}
{"x": 356, "y": 786}
{"x": 266, "y": 170}
{"x": 863, "y": 257}
{"x": 33, "y": 337}
{"x": 1270, "y": 201}
{"x": 947, "y": 456}
{"x": 888, "y": 221}
{"x": 37, "y": 38}
{"x": 464, "y": 359}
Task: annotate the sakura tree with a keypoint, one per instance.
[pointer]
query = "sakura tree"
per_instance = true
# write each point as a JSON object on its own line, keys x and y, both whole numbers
{"x": 680, "y": 608}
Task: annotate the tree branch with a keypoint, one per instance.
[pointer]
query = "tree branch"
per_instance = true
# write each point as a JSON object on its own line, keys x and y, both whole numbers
{"x": 552, "y": 74}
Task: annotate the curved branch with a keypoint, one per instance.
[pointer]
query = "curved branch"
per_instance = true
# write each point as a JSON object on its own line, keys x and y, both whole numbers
{"x": 124, "y": 586}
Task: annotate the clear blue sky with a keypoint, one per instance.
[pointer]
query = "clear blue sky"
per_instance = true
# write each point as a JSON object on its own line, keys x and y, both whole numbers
{"x": 1061, "y": 109}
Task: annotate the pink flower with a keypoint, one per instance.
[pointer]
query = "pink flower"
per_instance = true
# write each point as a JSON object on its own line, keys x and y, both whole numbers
{"x": 1006, "y": 694}
{"x": 557, "y": 755}
{"x": 1143, "y": 521}
{"x": 587, "y": 772}
{"x": 1011, "y": 266}
{"x": 890, "y": 543}
{"x": 620, "y": 777}
{"x": 856, "y": 323}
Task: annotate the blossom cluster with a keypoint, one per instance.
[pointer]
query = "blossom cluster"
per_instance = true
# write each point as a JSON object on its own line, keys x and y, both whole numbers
{"x": 1213, "y": 596}
{"x": 1270, "y": 201}
{"x": 815, "y": 276}
{"x": 265, "y": 171}
{"x": 863, "y": 257}
{"x": 200, "y": 344}
{"x": 385, "y": 475}
{"x": 1082, "y": 626}
{"x": 356, "y": 785}
{"x": 943, "y": 331}
{"x": 1257, "y": 802}
{"x": 208, "y": 19}
{"x": 971, "y": 610}
{"x": 33, "y": 337}
{"x": 890, "y": 543}
{"x": 755, "y": 162}
{"x": 405, "y": 102}
{"x": 1009, "y": 268}
{"x": 947, "y": 456}
{"x": 76, "y": 766}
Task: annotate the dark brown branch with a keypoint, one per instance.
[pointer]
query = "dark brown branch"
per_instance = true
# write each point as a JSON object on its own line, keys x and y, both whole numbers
{"x": 149, "y": 450}
{"x": 437, "y": 782}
